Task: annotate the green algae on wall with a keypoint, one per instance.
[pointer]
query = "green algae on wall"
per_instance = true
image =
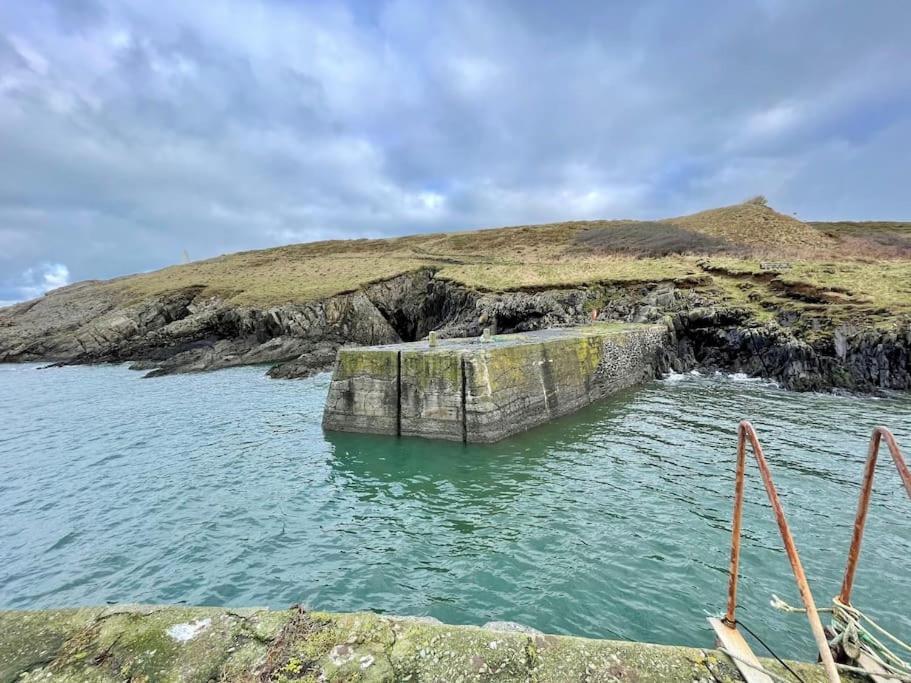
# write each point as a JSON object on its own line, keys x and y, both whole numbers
{"x": 379, "y": 364}
{"x": 364, "y": 395}
{"x": 430, "y": 394}
{"x": 481, "y": 391}
{"x": 514, "y": 388}
{"x": 203, "y": 644}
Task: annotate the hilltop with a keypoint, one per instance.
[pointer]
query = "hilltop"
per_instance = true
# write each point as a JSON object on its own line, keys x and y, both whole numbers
{"x": 295, "y": 304}
{"x": 507, "y": 259}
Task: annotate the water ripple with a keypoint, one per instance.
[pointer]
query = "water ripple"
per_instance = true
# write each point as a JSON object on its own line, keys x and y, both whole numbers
{"x": 222, "y": 489}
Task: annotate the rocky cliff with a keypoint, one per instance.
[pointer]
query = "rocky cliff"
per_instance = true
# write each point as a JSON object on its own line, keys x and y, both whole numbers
{"x": 794, "y": 341}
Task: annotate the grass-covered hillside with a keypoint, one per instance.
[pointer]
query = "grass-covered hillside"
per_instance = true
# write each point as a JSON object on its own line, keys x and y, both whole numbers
{"x": 748, "y": 289}
{"x": 851, "y": 267}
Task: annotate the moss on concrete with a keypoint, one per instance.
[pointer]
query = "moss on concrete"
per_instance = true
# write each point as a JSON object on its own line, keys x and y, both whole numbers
{"x": 516, "y": 385}
{"x": 430, "y": 395}
{"x": 33, "y": 640}
{"x": 363, "y": 396}
{"x": 139, "y": 643}
{"x": 429, "y": 652}
{"x": 132, "y": 643}
{"x": 439, "y": 369}
{"x": 484, "y": 390}
{"x": 509, "y": 366}
{"x": 376, "y": 364}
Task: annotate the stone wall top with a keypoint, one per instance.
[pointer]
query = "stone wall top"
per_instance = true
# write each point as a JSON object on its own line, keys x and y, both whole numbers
{"x": 201, "y": 644}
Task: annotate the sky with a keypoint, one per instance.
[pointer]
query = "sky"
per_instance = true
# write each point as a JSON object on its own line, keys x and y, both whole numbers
{"x": 134, "y": 132}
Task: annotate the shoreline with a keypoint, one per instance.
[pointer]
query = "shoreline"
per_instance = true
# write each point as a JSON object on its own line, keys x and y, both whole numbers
{"x": 799, "y": 341}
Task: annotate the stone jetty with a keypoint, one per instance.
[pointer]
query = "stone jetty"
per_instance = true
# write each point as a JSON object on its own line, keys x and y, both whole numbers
{"x": 482, "y": 389}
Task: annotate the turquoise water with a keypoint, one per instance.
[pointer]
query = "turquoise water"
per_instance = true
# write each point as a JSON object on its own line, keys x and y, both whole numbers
{"x": 222, "y": 489}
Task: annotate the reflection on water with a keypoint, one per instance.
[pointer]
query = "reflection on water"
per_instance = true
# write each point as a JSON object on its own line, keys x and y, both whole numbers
{"x": 614, "y": 522}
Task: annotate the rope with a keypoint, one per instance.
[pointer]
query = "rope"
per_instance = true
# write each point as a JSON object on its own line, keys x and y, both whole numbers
{"x": 771, "y": 651}
{"x": 857, "y": 615}
{"x": 736, "y": 658}
{"x": 780, "y": 679}
{"x": 848, "y": 623}
{"x": 866, "y": 674}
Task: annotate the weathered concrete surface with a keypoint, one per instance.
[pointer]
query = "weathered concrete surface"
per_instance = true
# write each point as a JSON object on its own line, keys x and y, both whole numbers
{"x": 365, "y": 393}
{"x": 189, "y": 644}
{"x": 554, "y": 373}
{"x": 467, "y": 389}
{"x": 431, "y": 394}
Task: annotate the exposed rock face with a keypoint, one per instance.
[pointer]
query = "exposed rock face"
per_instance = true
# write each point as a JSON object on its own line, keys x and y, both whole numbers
{"x": 851, "y": 359}
{"x": 184, "y": 333}
{"x": 188, "y": 331}
{"x": 46, "y": 328}
{"x": 416, "y": 303}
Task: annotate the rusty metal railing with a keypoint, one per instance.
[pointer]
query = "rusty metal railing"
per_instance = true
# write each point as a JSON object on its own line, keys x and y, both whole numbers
{"x": 879, "y": 434}
{"x": 746, "y": 432}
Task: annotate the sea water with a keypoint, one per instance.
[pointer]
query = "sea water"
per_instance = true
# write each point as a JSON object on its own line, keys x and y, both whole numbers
{"x": 222, "y": 489}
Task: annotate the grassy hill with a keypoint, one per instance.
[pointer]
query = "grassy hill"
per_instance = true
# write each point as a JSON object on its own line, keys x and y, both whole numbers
{"x": 735, "y": 280}
{"x": 864, "y": 267}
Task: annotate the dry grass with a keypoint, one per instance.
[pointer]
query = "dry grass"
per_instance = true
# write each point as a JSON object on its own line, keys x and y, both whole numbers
{"x": 878, "y": 285}
{"x": 256, "y": 280}
{"x": 496, "y": 277}
{"x": 754, "y": 225}
{"x": 558, "y": 254}
{"x": 824, "y": 293}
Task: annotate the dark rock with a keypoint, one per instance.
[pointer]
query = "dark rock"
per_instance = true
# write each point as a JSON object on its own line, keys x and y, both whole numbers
{"x": 188, "y": 331}
{"x": 318, "y": 359}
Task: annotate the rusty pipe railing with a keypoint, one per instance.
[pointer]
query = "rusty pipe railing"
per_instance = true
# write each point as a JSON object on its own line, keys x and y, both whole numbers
{"x": 879, "y": 433}
{"x": 745, "y": 431}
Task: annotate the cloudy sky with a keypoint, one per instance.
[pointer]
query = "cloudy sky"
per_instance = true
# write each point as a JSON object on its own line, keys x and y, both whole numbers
{"x": 132, "y": 131}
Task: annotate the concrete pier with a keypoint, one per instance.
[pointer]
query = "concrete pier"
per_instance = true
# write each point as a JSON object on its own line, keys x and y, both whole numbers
{"x": 203, "y": 644}
{"x": 474, "y": 390}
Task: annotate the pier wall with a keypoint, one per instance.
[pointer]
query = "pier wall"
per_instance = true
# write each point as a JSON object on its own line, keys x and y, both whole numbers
{"x": 476, "y": 391}
{"x": 203, "y": 644}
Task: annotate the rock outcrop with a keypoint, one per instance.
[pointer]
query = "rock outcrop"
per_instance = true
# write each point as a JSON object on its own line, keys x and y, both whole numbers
{"x": 850, "y": 359}
{"x": 187, "y": 330}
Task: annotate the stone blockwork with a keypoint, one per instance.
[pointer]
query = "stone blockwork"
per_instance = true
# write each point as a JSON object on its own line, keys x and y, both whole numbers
{"x": 365, "y": 392}
{"x": 477, "y": 391}
{"x": 431, "y": 394}
{"x": 511, "y": 389}
{"x": 206, "y": 644}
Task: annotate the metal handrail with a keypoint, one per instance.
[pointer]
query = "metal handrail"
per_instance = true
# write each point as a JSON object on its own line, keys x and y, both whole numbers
{"x": 745, "y": 431}
{"x": 879, "y": 433}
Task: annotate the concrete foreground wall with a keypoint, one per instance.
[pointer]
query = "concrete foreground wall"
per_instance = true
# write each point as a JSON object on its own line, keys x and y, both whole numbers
{"x": 205, "y": 644}
{"x": 471, "y": 390}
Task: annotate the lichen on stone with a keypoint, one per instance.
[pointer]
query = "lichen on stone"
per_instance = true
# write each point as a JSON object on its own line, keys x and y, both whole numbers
{"x": 247, "y": 646}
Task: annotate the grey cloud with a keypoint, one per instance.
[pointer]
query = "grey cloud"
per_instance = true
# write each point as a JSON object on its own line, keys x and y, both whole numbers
{"x": 132, "y": 131}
